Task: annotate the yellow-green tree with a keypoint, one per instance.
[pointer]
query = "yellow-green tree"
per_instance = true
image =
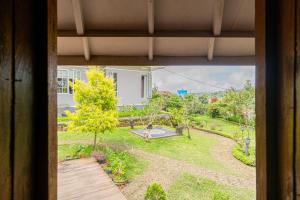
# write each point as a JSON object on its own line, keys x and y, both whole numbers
{"x": 96, "y": 105}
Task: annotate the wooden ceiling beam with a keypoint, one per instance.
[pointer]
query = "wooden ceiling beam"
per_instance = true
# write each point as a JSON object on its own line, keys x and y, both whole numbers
{"x": 157, "y": 60}
{"x": 211, "y": 46}
{"x": 150, "y": 48}
{"x": 80, "y": 29}
{"x": 218, "y": 17}
{"x": 216, "y": 26}
{"x": 86, "y": 49}
{"x": 122, "y": 33}
{"x": 150, "y": 28}
{"x": 151, "y": 16}
{"x": 78, "y": 16}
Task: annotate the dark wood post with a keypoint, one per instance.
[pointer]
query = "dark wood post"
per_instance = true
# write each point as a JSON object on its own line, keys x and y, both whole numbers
{"x": 28, "y": 99}
{"x": 275, "y": 73}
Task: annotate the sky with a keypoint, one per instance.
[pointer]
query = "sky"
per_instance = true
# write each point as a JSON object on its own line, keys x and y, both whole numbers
{"x": 197, "y": 79}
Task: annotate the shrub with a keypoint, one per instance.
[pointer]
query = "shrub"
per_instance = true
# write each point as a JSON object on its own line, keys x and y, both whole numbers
{"x": 200, "y": 124}
{"x": 155, "y": 192}
{"x": 176, "y": 116}
{"x": 174, "y": 101}
{"x": 74, "y": 151}
{"x": 80, "y": 150}
{"x": 221, "y": 196}
{"x": 132, "y": 111}
{"x": 117, "y": 164}
{"x": 214, "y": 110}
{"x": 239, "y": 154}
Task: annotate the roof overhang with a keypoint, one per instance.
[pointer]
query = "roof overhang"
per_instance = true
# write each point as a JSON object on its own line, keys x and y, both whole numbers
{"x": 156, "y": 32}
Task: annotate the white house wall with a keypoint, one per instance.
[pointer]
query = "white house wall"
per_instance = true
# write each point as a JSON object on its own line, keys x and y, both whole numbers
{"x": 129, "y": 86}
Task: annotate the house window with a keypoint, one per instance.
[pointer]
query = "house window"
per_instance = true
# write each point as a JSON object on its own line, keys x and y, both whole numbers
{"x": 62, "y": 81}
{"x": 115, "y": 78}
{"x": 143, "y": 86}
{"x": 65, "y": 79}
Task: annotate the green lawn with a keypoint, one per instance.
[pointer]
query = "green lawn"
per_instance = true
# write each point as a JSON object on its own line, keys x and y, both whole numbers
{"x": 190, "y": 187}
{"x": 196, "y": 151}
{"x": 227, "y": 128}
{"x": 230, "y": 130}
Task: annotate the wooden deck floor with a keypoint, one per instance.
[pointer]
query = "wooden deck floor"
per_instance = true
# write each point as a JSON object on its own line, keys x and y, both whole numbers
{"x": 84, "y": 179}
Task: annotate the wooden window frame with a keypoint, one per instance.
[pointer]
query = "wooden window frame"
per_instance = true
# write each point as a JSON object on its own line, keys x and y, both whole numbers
{"x": 73, "y": 78}
{"x": 115, "y": 78}
{"x": 143, "y": 78}
{"x": 28, "y": 88}
{"x": 67, "y": 81}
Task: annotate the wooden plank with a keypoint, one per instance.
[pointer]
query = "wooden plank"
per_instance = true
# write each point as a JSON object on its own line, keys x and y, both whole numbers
{"x": 157, "y": 60}
{"x": 85, "y": 179}
{"x": 127, "y": 33}
{"x": 6, "y": 98}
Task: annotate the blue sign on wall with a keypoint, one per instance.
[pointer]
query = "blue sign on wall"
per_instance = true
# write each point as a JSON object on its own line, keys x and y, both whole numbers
{"x": 182, "y": 92}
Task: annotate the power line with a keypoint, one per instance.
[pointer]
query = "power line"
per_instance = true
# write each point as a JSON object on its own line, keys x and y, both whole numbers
{"x": 195, "y": 80}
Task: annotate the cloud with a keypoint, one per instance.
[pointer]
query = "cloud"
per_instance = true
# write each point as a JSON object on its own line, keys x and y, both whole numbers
{"x": 202, "y": 78}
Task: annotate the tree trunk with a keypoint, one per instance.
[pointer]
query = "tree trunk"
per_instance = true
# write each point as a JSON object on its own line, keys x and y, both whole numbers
{"x": 189, "y": 135}
{"x": 95, "y": 140}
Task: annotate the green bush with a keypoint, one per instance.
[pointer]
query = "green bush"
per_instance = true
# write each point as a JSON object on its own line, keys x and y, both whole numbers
{"x": 174, "y": 101}
{"x": 122, "y": 165}
{"x": 131, "y": 111}
{"x": 74, "y": 151}
{"x": 221, "y": 196}
{"x": 214, "y": 110}
{"x": 117, "y": 164}
{"x": 239, "y": 154}
{"x": 155, "y": 192}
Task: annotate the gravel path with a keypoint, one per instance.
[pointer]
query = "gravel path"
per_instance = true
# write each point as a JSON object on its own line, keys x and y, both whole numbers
{"x": 222, "y": 152}
{"x": 166, "y": 170}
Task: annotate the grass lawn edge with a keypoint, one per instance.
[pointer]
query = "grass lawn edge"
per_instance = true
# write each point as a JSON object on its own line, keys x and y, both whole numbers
{"x": 236, "y": 151}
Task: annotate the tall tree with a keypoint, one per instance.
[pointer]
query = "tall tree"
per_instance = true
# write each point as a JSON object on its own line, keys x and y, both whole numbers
{"x": 96, "y": 105}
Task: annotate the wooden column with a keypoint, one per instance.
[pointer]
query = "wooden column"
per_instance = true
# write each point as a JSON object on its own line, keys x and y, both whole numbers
{"x": 297, "y": 104}
{"x": 6, "y": 95}
{"x": 275, "y": 128}
{"x": 28, "y": 99}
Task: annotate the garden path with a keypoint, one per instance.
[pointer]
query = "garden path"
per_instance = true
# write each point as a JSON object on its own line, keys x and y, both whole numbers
{"x": 222, "y": 152}
{"x": 166, "y": 170}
